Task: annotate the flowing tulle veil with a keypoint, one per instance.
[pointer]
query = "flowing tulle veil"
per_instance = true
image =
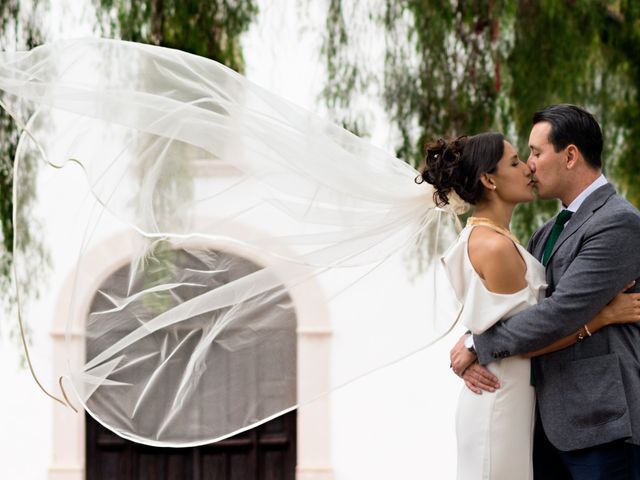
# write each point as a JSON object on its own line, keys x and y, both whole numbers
{"x": 184, "y": 158}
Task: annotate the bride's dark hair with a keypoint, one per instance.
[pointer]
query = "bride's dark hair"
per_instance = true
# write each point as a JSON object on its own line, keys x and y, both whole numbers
{"x": 457, "y": 165}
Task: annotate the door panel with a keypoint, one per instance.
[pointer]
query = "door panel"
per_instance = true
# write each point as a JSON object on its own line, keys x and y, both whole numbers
{"x": 267, "y": 452}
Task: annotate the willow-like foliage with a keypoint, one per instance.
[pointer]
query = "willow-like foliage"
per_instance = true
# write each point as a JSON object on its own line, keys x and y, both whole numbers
{"x": 467, "y": 66}
{"x": 210, "y": 29}
{"x": 19, "y": 29}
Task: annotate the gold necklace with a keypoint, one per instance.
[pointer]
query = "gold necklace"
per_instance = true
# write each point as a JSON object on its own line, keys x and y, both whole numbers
{"x": 485, "y": 222}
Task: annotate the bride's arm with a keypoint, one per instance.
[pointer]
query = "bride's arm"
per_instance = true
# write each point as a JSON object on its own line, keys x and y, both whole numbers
{"x": 496, "y": 259}
{"x": 624, "y": 308}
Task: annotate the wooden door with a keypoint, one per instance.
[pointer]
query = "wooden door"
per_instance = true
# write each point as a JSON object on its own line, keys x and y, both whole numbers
{"x": 267, "y": 452}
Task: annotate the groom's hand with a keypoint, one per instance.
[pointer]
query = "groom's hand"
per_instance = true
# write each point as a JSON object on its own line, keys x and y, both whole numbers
{"x": 478, "y": 378}
{"x": 461, "y": 356}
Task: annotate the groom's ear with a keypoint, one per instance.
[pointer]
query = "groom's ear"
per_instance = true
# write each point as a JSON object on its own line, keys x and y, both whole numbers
{"x": 572, "y": 156}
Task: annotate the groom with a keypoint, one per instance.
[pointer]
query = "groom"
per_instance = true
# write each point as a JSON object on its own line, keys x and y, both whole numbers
{"x": 588, "y": 395}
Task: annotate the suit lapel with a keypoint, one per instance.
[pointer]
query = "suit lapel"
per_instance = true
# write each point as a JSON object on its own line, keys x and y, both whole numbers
{"x": 592, "y": 203}
{"x": 538, "y": 248}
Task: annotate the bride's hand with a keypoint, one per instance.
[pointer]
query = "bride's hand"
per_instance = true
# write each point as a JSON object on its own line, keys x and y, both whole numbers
{"x": 624, "y": 308}
{"x": 478, "y": 378}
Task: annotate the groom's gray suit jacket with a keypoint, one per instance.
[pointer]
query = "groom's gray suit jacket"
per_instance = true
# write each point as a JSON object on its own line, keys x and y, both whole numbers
{"x": 587, "y": 394}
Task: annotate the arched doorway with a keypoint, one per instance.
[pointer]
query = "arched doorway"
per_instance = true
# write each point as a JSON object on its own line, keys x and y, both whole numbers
{"x": 265, "y": 452}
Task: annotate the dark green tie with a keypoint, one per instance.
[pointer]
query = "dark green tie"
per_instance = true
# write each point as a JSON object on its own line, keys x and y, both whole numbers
{"x": 562, "y": 218}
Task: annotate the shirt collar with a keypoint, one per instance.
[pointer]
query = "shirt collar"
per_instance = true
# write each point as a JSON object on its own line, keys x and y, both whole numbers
{"x": 597, "y": 183}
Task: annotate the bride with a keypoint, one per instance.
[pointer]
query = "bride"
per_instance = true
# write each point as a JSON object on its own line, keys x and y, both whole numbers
{"x": 494, "y": 277}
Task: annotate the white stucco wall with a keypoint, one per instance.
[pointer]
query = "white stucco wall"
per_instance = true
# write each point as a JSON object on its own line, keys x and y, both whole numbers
{"x": 396, "y": 423}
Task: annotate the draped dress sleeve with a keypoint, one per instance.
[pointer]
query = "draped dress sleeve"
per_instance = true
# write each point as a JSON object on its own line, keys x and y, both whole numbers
{"x": 480, "y": 307}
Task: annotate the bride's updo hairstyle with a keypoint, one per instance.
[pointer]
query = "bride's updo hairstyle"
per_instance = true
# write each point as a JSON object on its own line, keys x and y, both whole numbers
{"x": 457, "y": 165}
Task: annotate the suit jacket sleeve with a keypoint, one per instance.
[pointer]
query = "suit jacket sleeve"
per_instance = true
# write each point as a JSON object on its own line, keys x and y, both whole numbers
{"x": 603, "y": 265}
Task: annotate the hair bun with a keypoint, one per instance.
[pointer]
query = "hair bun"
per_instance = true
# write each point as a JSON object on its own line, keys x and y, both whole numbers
{"x": 455, "y": 166}
{"x": 443, "y": 159}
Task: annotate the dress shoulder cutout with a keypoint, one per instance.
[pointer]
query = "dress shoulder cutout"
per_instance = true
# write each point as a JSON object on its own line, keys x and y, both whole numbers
{"x": 481, "y": 308}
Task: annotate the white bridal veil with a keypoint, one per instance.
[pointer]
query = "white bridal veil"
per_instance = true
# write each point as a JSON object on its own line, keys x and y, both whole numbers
{"x": 229, "y": 200}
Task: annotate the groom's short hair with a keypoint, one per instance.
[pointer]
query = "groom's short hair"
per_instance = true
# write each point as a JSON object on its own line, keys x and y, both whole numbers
{"x": 571, "y": 124}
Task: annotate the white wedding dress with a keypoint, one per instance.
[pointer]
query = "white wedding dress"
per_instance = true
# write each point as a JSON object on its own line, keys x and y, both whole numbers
{"x": 494, "y": 430}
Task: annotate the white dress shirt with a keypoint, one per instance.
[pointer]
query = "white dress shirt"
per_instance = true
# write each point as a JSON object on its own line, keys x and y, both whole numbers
{"x": 597, "y": 183}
